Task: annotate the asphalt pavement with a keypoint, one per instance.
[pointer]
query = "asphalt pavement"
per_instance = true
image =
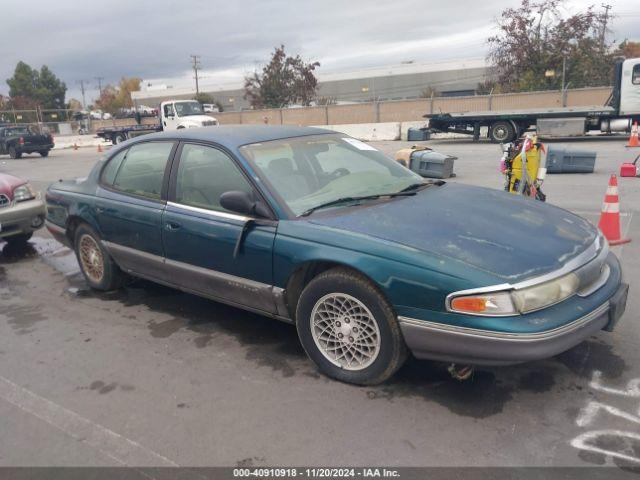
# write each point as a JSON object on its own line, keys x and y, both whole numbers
{"x": 152, "y": 376}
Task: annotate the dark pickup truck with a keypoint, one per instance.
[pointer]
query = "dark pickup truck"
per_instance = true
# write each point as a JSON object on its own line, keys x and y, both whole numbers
{"x": 16, "y": 140}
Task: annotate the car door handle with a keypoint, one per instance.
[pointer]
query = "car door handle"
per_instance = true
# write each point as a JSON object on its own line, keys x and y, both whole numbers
{"x": 172, "y": 226}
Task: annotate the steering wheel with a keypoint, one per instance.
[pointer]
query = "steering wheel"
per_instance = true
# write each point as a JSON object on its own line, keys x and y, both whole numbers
{"x": 339, "y": 172}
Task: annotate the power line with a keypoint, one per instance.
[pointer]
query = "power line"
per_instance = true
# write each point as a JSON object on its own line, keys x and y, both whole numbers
{"x": 99, "y": 79}
{"x": 603, "y": 34}
{"x": 196, "y": 65}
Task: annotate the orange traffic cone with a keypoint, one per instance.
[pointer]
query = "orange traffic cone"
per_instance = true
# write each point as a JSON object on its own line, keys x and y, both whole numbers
{"x": 99, "y": 148}
{"x": 633, "y": 139}
{"x": 610, "y": 217}
{"x": 75, "y": 146}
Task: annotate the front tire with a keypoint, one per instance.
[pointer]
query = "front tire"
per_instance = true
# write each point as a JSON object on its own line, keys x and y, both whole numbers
{"x": 349, "y": 329}
{"x": 14, "y": 153}
{"x": 97, "y": 266}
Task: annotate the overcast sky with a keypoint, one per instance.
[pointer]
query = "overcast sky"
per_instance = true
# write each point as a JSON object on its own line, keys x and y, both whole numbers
{"x": 153, "y": 39}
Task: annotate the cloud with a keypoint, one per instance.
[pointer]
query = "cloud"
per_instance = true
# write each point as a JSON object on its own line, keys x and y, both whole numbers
{"x": 153, "y": 40}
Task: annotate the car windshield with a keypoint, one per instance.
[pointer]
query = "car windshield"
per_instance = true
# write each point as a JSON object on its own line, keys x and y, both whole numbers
{"x": 306, "y": 172}
{"x": 184, "y": 109}
{"x": 19, "y": 131}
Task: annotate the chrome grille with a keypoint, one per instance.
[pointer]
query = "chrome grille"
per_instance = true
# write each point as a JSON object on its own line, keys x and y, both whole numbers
{"x": 4, "y": 200}
{"x": 209, "y": 123}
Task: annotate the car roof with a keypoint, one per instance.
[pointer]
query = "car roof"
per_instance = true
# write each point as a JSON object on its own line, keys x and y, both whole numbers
{"x": 233, "y": 136}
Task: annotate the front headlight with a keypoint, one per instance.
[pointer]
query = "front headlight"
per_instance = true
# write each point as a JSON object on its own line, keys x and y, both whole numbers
{"x": 514, "y": 302}
{"x": 545, "y": 294}
{"x": 23, "y": 192}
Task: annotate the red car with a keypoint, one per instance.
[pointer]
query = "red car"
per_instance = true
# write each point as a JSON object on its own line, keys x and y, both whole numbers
{"x": 22, "y": 211}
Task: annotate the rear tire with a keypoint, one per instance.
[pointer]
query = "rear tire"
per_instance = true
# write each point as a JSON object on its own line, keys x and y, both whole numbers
{"x": 502, "y": 132}
{"x": 119, "y": 138}
{"x": 349, "y": 329}
{"x": 14, "y": 153}
{"x": 97, "y": 266}
{"x": 44, "y": 153}
{"x": 20, "y": 239}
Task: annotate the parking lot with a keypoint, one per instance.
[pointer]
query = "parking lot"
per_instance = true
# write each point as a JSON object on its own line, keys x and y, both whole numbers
{"x": 152, "y": 376}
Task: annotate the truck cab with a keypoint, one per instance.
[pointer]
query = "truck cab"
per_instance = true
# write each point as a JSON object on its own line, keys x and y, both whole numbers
{"x": 179, "y": 114}
{"x": 630, "y": 87}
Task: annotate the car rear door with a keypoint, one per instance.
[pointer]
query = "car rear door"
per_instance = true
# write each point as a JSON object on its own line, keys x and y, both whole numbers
{"x": 131, "y": 199}
{"x": 200, "y": 236}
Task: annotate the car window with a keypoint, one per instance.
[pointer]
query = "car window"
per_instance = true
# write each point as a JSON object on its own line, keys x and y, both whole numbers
{"x": 204, "y": 174}
{"x": 142, "y": 169}
{"x": 337, "y": 155}
{"x": 635, "y": 76}
{"x": 109, "y": 172}
{"x": 168, "y": 110}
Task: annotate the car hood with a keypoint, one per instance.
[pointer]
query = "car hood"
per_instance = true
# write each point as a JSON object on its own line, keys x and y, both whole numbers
{"x": 199, "y": 119}
{"x": 508, "y": 236}
{"x": 8, "y": 183}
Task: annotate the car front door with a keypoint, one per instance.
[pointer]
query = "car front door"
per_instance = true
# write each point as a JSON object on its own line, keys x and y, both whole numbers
{"x": 200, "y": 237}
{"x": 131, "y": 198}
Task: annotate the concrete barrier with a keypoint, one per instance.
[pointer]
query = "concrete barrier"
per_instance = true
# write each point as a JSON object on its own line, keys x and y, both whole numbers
{"x": 67, "y": 141}
{"x": 368, "y": 131}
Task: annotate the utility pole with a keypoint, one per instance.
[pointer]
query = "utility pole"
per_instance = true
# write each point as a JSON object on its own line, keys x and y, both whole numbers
{"x": 99, "y": 79}
{"x": 196, "y": 64}
{"x": 84, "y": 102}
{"x": 605, "y": 20}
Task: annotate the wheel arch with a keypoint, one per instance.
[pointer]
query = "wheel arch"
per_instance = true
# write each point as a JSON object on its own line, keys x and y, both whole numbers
{"x": 305, "y": 272}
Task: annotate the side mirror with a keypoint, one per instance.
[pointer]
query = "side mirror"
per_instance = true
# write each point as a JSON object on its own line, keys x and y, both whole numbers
{"x": 243, "y": 203}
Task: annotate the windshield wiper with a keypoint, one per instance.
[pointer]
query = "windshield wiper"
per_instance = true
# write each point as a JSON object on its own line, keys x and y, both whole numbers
{"x": 415, "y": 186}
{"x": 338, "y": 201}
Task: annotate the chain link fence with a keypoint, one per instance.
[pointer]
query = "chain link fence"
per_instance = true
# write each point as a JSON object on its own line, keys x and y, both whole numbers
{"x": 58, "y": 122}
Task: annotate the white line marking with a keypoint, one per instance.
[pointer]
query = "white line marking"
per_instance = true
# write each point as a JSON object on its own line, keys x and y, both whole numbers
{"x": 632, "y": 390}
{"x": 121, "y": 449}
{"x": 588, "y": 413}
{"x": 580, "y": 442}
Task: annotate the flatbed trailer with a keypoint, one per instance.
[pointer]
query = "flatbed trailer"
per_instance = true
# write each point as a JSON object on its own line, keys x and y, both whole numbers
{"x": 119, "y": 134}
{"x": 621, "y": 111}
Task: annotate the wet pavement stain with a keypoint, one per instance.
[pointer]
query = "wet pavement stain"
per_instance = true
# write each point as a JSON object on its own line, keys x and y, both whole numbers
{"x": 538, "y": 381}
{"x": 102, "y": 387}
{"x": 590, "y": 355}
{"x": 269, "y": 343}
{"x": 481, "y": 396}
{"x": 23, "y": 319}
{"x": 250, "y": 462}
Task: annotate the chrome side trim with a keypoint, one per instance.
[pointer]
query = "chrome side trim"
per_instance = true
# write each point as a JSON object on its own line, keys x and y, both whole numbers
{"x": 516, "y": 337}
{"x": 599, "y": 249}
{"x": 212, "y": 213}
{"x": 219, "y": 286}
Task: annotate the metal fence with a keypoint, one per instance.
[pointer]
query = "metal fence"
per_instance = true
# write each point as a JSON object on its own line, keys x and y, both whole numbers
{"x": 60, "y": 122}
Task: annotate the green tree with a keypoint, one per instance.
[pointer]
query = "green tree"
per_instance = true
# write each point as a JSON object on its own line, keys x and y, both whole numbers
{"x": 283, "y": 81}
{"x": 534, "y": 39}
{"x": 29, "y": 87}
{"x": 203, "y": 97}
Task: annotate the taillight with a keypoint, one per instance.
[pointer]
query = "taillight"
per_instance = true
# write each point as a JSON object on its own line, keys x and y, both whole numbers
{"x": 21, "y": 141}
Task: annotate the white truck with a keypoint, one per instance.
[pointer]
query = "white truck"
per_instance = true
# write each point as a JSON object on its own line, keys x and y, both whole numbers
{"x": 617, "y": 116}
{"x": 172, "y": 115}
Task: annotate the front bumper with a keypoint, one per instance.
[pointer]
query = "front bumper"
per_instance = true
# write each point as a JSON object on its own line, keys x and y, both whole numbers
{"x": 460, "y": 344}
{"x": 22, "y": 218}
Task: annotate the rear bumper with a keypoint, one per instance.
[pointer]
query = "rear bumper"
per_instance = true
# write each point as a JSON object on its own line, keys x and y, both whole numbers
{"x": 36, "y": 148}
{"x": 22, "y": 218}
{"x": 438, "y": 341}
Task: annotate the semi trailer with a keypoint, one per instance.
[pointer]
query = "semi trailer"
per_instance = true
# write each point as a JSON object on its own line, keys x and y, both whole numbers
{"x": 618, "y": 115}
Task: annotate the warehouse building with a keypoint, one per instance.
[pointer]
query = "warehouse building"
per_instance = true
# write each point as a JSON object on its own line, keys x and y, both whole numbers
{"x": 408, "y": 80}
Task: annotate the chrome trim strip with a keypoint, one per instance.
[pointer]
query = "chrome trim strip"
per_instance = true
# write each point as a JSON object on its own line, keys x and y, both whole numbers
{"x": 213, "y": 213}
{"x": 249, "y": 294}
{"x": 576, "y": 324}
{"x": 598, "y": 249}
